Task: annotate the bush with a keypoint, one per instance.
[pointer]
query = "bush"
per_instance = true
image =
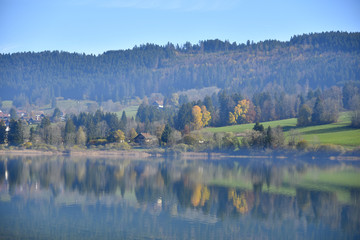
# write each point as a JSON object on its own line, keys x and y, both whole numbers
{"x": 182, "y": 147}
{"x": 302, "y": 145}
{"x": 98, "y": 142}
{"x": 27, "y": 145}
{"x": 189, "y": 140}
{"x": 330, "y": 148}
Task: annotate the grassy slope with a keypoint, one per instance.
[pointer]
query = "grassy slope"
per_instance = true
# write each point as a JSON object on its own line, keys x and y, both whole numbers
{"x": 336, "y": 133}
{"x": 129, "y": 111}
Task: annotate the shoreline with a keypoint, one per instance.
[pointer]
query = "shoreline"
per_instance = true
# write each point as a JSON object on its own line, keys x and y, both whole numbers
{"x": 177, "y": 155}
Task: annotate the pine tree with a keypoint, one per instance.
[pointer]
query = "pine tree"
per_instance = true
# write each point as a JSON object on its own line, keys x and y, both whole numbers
{"x": 2, "y": 132}
{"x": 70, "y": 133}
{"x": 13, "y": 114}
{"x": 16, "y": 135}
{"x": 318, "y": 112}
{"x": 165, "y": 136}
{"x": 258, "y": 127}
{"x": 123, "y": 122}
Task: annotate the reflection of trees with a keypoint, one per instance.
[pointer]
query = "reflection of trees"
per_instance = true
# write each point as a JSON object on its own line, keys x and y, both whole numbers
{"x": 200, "y": 195}
{"x": 14, "y": 168}
{"x": 184, "y": 188}
{"x": 261, "y": 173}
{"x": 2, "y": 171}
{"x": 239, "y": 201}
{"x": 303, "y": 200}
{"x": 350, "y": 220}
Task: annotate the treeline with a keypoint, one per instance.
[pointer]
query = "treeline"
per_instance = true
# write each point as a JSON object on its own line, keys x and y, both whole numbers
{"x": 175, "y": 123}
{"x": 85, "y": 129}
{"x": 317, "y": 60}
{"x": 225, "y": 108}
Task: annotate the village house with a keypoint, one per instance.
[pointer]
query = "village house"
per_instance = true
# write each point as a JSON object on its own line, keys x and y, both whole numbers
{"x": 158, "y": 104}
{"x": 145, "y": 138}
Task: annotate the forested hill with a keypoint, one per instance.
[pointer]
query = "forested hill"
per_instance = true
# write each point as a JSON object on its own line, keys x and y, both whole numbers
{"x": 310, "y": 60}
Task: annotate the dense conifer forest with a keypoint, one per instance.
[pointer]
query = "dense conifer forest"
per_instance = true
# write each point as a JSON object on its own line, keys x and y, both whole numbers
{"x": 317, "y": 60}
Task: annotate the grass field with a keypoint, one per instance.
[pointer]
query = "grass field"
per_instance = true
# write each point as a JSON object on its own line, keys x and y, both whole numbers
{"x": 336, "y": 133}
{"x": 6, "y": 104}
{"x": 129, "y": 111}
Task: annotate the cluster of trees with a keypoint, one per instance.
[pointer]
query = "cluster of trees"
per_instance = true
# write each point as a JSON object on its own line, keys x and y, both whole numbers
{"x": 173, "y": 122}
{"x": 259, "y": 138}
{"x": 310, "y": 60}
{"x": 83, "y": 129}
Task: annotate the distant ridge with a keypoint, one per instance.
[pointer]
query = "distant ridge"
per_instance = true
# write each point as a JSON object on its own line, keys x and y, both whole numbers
{"x": 315, "y": 60}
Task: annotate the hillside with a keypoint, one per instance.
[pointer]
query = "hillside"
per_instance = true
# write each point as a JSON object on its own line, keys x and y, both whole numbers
{"x": 338, "y": 133}
{"x": 315, "y": 60}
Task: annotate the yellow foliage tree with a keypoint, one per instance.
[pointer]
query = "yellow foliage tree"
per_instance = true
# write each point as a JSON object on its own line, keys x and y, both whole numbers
{"x": 206, "y": 116}
{"x": 197, "y": 116}
{"x": 201, "y": 117}
{"x": 232, "y": 119}
{"x": 240, "y": 111}
{"x": 119, "y": 136}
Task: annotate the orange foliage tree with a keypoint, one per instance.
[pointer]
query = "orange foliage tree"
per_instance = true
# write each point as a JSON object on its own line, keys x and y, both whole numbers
{"x": 201, "y": 117}
{"x": 240, "y": 112}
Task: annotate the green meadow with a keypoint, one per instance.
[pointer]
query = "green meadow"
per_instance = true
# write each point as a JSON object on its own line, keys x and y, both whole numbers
{"x": 129, "y": 111}
{"x": 339, "y": 133}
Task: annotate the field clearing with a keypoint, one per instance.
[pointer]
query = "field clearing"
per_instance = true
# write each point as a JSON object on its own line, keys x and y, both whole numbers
{"x": 129, "y": 111}
{"x": 335, "y": 133}
{"x": 7, "y": 104}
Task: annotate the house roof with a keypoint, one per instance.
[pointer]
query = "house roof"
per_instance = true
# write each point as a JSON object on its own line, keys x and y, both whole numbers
{"x": 145, "y": 135}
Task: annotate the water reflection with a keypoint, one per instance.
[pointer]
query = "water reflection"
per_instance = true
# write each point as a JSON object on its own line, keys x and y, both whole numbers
{"x": 219, "y": 199}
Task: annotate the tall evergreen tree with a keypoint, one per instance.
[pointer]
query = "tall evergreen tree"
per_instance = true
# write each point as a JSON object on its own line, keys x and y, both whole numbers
{"x": 318, "y": 111}
{"x": 165, "y": 136}
{"x": 16, "y": 134}
{"x": 2, "y": 132}
{"x": 123, "y": 122}
{"x": 70, "y": 132}
{"x": 13, "y": 114}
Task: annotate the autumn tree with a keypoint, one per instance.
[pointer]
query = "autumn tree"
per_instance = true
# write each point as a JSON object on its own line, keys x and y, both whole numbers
{"x": 239, "y": 115}
{"x": 201, "y": 117}
{"x": 206, "y": 116}
{"x": 80, "y": 137}
{"x": 116, "y": 136}
{"x": 197, "y": 117}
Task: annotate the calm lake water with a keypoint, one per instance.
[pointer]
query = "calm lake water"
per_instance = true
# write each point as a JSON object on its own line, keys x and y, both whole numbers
{"x": 108, "y": 198}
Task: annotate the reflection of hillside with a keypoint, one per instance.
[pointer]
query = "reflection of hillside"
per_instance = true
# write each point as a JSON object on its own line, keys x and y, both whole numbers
{"x": 206, "y": 191}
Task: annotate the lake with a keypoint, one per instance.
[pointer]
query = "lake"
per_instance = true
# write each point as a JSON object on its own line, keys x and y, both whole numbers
{"x": 56, "y": 197}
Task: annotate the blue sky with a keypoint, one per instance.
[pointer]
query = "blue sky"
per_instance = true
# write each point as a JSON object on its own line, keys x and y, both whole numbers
{"x": 91, "y": 26}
